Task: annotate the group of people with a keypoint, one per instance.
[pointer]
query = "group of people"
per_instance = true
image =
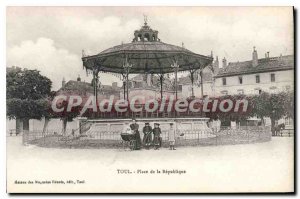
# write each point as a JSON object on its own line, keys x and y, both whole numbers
{"x": 152, "y": 136}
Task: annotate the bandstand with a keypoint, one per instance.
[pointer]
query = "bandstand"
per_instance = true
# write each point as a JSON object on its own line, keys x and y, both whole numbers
{"x": 146, "y": 54}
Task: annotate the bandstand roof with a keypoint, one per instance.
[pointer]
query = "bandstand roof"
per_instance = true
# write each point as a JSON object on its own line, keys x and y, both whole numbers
{"x": 147, "y": 54}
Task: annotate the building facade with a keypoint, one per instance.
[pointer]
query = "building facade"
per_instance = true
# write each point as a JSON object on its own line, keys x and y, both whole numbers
{"x": 204, "y": 84}
{"x": 269, "y": 74}
{"x": 148, "y": 86}
{"x": 86, "y": 89}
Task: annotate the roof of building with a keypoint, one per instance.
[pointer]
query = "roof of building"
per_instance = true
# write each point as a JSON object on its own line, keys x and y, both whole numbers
{"x": 264, "y": 65}
{"x": 155, "y": 83}
{"x": 207, "y": 77}
{"x": 79, "y": 86}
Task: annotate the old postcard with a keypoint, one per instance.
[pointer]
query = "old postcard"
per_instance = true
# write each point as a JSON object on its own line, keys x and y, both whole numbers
{"x": 150, "y": 99}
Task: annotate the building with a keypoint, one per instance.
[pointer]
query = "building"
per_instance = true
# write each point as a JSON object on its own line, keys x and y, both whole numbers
{"x": 85, "y": 89}
{"x": 148, "y": 85}
{"x": 269, "y": 74}
{"x": 207, "y": 85}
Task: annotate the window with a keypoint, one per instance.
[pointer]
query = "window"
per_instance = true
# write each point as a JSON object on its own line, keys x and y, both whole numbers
{"x": 257, "y": 91}
{"x": 257, "y": 78}
{"x": 241, "y": 80}
{"x": 240, "y": 91}
{"x": 272, "y": 77}
{"x": 147, "y": 37}
{"x": 179, "y": 87}
{"x": 224, "y": 81}
{"x": 288, "y": 121}
{"x": 224, "y": 92}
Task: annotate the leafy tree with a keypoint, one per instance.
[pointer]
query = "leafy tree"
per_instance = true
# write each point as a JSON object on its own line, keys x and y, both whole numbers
{"x": 226, "y": 117}
{"x": 270, "y": 105}
{"x": 65, "y": 116}
{"x": 26, "y": 93}
{"x": 290, "y": 105}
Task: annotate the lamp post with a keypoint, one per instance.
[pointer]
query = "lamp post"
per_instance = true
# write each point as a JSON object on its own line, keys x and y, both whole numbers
{"x": 127, "y": 68}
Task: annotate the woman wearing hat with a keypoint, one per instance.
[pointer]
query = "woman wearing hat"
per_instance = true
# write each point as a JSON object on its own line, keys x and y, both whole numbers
{"x": 135, "y": 128}
{"x": 156, "y": 133}
{"x": 147, "y": 139}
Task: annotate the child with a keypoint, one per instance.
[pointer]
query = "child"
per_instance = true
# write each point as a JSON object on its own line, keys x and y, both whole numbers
{"x": 172, "y": 136}
{"x": 156, "y": 132}
{"x": 127, "y": 129}
{"x": 147, "y": 139}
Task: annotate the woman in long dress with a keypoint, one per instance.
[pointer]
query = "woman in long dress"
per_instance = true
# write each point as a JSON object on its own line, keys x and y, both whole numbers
{"x": 135, "y": 128}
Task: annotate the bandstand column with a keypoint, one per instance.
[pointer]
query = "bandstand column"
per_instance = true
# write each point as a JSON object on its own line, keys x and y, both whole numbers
{"x": 127, "y": 84}
{"x": 161, "y": 79}
{"x": 201, "y": 83}
{"x": 95, "y": 85}
{"x": 95, "y": 82}
{"x": 192, "y": 72}
{"x": 176, "y": 67}
{"x": 127, "y": 68}
{"x": 124, "y": 86}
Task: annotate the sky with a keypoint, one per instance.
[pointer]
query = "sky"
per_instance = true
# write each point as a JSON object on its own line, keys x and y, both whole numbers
{"x": 51, "y": 39}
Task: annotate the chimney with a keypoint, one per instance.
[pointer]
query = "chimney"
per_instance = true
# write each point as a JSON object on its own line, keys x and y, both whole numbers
{"x": 224, "y": 62}
{"x": 216, "y": 64}
{"x": 63, "y": 82}
{"x": 268, "y": 53}
{"x": 78, "y": 78}
{"x": 114, "y": 85}
{"x": 254, "y": 58}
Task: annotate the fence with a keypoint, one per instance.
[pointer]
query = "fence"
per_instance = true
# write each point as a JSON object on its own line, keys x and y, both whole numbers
{"x": 112, "y": 139}
{"x": 286, "y": 133}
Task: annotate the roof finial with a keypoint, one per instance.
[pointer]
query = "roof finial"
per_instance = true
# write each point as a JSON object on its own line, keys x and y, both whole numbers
{"x": 182, "y": 44}
{"x": 145, "y": 19}
{"x": 253, "y": 48}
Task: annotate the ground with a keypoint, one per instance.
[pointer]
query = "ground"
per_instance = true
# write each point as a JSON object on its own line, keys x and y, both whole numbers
{"x": 260, "y": 167}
